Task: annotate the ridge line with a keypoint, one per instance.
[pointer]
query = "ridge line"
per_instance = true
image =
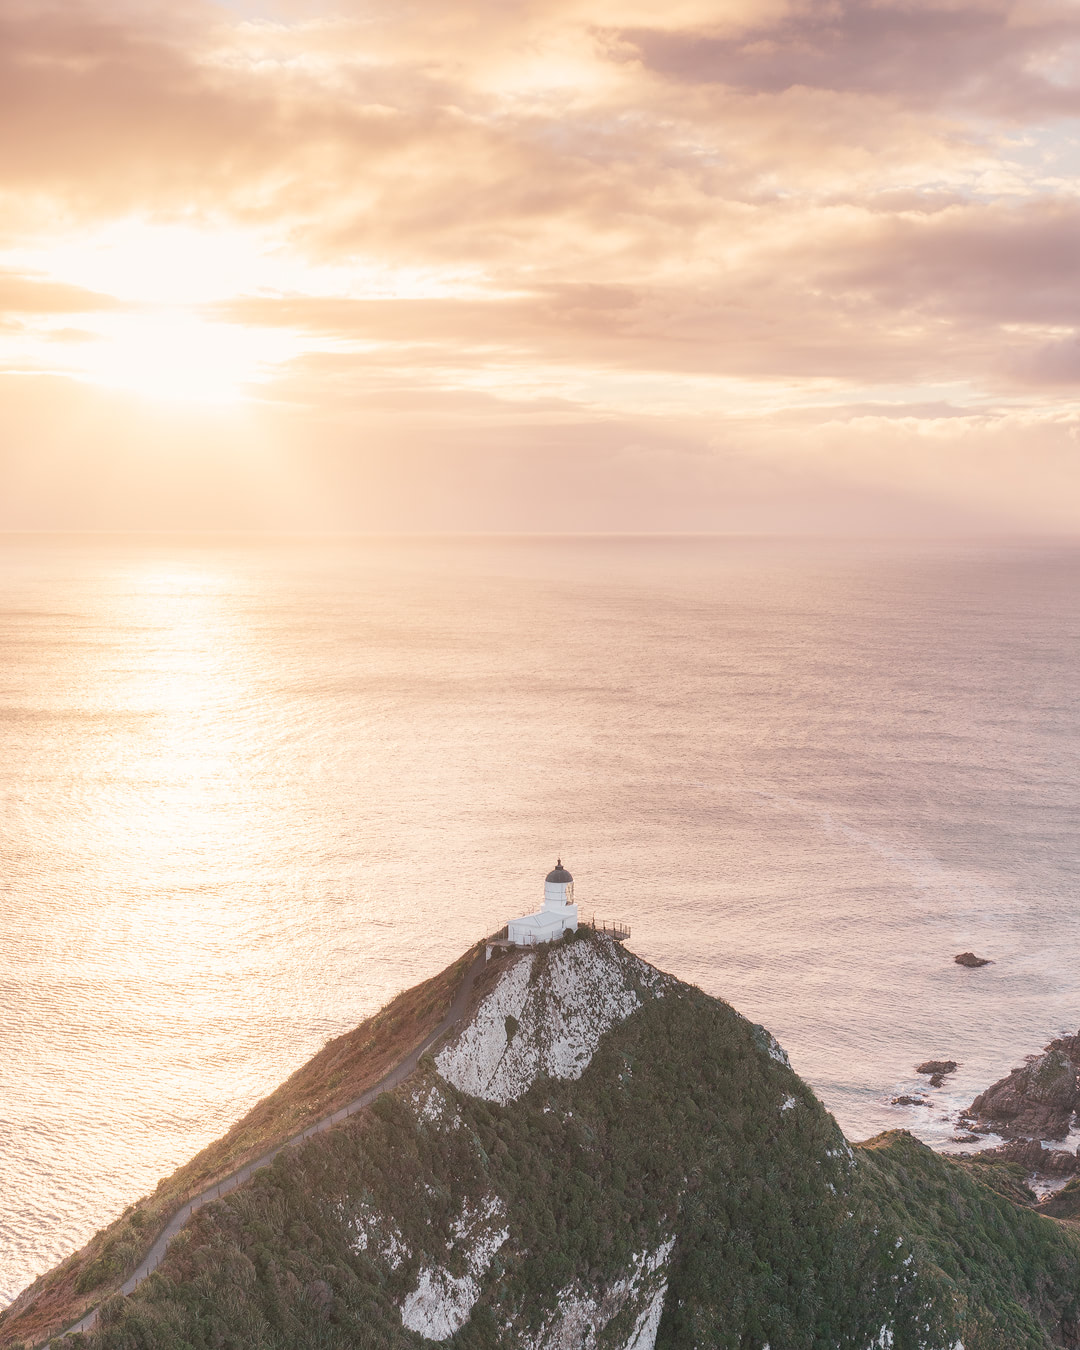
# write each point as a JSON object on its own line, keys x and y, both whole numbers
{"x": 390, "y": 1079}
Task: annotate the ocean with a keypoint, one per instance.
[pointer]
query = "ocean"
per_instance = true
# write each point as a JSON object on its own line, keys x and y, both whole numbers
{"x": 252, "y": 787}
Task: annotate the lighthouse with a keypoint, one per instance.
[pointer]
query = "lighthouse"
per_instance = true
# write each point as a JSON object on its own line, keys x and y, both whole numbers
{"x": 558, "y": 914}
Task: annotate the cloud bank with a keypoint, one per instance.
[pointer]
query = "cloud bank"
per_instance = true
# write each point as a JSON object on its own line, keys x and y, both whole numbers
{"x": 770, "y": 266}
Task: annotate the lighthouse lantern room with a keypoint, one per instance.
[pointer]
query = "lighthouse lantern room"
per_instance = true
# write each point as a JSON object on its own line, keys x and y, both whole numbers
{"x": 558, "y": 914}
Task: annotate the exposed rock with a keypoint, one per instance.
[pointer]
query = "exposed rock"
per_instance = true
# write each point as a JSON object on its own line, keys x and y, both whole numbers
{"x": 441, "y": 1303}
{"x": 771, "y": 1045}
{"x": 970, "y": 959}
{"x": 1063, "y": 1204}
{"x": 1036, "y": 1160}
{"x": 965, "y": 1139}
{"x": 1037, "y": 1101}
{"x": 558, "y": 1018}
{"x": 379, "y": 1238}
{"x": 910, "y": 1101}
{"x": 937, "y": 1067}
{"x": 581, "y": 1316}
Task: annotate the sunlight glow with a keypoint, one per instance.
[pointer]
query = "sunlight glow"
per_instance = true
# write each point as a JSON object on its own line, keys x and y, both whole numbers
{"x": 150, "y": 263}
{"x": 169, "y": 338}
{"x": 146, "y": 262}
{"x": 171, "y": 354}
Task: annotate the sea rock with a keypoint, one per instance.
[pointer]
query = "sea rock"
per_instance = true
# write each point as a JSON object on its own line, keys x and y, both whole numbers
{"x": 965, "y": 1138}
{"x": 937, "y": 1067}
{"x": 910, "y": 1101}
{"x": 970, "y": 959}
{"x": 1037, "y": 1101}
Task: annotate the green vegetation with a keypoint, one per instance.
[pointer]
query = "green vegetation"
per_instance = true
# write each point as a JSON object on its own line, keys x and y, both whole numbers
{"x": 682, "y": 1126}
{"x": 345, "y": 1068}
{"x": 1013, "y": 1278}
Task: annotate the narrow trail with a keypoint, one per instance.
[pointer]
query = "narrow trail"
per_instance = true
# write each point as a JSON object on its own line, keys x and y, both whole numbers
{"x": 397, "y": 1074}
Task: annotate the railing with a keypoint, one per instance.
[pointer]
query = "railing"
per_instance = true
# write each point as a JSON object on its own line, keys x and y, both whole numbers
{"x": 617, "y": 928}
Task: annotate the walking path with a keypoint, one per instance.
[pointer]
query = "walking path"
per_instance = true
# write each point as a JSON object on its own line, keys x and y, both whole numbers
{"x": 399, "y": 1072}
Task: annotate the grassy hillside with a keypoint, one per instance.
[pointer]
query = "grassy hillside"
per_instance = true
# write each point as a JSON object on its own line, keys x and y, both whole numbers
{"x": 687, "y": 1169}
{"x": 345, "y": 1068}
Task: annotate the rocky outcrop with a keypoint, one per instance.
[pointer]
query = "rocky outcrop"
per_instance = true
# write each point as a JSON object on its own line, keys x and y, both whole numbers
{"x": 1036, "y": 1160}
{"x": 441, "y": 1303}
{"x": 937, "y": 1069}
{"x": 1063, "y": 1204}
{"x": 1037, "y": 1101}
{"x": 580, "y": 1316}
{"x": 599, "y": 1157}
{"x": 970, "y": 959}
{"x": 546, "y": 1017}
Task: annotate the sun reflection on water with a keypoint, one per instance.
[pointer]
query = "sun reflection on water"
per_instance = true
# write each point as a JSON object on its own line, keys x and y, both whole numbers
{"x": 249, "y": 791}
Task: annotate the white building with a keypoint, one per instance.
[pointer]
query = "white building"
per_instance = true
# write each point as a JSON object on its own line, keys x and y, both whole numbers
{"x": 559, "y": 912}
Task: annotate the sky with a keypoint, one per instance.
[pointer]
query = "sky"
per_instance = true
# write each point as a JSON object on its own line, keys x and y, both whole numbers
{"x": 773, "y": 266}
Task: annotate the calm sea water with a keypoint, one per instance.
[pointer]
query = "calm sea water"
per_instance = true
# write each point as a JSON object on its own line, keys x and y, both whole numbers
{"x": 250, "y": 789}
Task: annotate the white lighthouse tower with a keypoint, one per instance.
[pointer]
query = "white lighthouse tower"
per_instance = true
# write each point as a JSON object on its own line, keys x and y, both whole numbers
{"x": 559, "y": 912}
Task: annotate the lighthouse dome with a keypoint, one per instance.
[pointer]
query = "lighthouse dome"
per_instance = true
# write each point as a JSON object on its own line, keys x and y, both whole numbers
{"x": 558, "y": 875}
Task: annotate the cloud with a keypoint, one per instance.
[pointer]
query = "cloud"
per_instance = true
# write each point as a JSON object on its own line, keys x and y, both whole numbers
{"x": 1005, "y": 58}
{"x": 986, "y": 262}
{"x": 515, "y": 244}
{"x": 22, "y": 294}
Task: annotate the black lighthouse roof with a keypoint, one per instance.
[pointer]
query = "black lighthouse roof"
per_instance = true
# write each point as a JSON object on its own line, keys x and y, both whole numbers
{"x": 559, "y": 875}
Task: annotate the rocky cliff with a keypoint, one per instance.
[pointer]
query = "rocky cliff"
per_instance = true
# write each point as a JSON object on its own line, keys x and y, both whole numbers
{"x": 601, "y": 1156}
{"x": 1037, "y": 1101}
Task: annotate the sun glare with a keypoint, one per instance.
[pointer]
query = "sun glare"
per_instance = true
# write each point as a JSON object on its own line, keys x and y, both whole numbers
{"x": 148, "y": 263}
{"x": 136, "y": 260}
{"x": 174, "y": 355}
{"x": 159, "y": 331}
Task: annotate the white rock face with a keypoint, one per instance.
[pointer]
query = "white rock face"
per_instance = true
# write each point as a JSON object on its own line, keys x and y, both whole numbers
{"x": 441, "y": 1303}
{"x": 582, "y": 991}
{"x": 777, "y": 1052}
{"x": 378, "y": 1237}
{"x": 580, "y": 1317}
{"x": 643, "y": 1336}
{"x": 477, "y": 1062}
{"x": 433, "y": 1108}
